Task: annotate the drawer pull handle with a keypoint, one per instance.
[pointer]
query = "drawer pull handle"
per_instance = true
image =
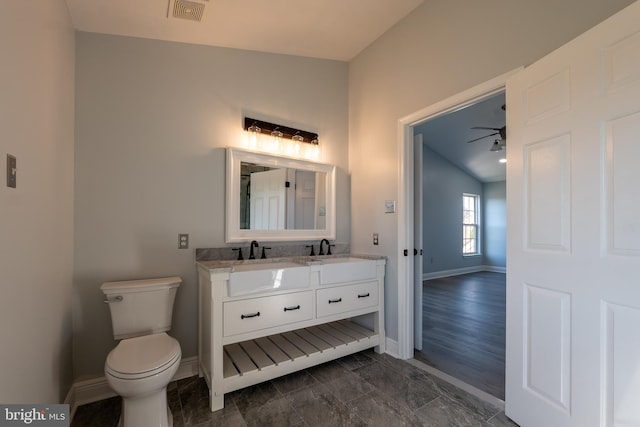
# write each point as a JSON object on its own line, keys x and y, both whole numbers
{"x": 331, "y": 301}
{"x": 247, "y": 316}
{"x": 297, "y": 307}
{"x": 363, "y": 295}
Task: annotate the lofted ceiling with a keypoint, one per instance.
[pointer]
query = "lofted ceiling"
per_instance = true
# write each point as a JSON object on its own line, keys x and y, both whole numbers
{"x": 329, "y": 29}
{"x": 448, "y": 135}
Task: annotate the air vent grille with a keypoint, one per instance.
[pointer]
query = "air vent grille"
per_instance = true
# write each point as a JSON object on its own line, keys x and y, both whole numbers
{"x": 186, "y": 9}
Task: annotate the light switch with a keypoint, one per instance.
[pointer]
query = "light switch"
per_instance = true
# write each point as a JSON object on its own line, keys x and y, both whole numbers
{"x": 375, "y": 238}
{"x": 12, "y": 171}
{"x": 390, "y": 206}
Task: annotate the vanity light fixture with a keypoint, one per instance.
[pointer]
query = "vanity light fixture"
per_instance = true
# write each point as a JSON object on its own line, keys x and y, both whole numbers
{"x": 281, "y": 139}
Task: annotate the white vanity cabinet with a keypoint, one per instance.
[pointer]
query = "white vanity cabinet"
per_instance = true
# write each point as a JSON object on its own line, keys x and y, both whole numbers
{"x": 254, "y": 337}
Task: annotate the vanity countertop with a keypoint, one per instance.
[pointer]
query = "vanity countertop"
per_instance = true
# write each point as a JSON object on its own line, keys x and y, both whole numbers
{"x": 226, "y": 266}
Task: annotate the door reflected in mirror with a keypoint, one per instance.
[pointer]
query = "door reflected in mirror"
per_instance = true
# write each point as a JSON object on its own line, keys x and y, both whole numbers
{"x": 274, "y": 198}
{"x": 277, "y": 198}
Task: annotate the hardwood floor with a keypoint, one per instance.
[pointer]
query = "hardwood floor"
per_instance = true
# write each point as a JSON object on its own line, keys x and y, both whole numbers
{"x": 464, "y": 328}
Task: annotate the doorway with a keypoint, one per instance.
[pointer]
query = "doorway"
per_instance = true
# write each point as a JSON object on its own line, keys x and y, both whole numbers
{"x": 462, "y": 192}
{"x": 410, "y": 281}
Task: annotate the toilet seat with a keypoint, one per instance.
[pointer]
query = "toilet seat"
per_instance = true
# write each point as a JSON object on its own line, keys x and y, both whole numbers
{"x": 142, "y": 357}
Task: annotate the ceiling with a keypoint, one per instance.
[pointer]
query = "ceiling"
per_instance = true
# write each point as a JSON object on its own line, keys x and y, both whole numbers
{"x": 330, "y": 29}
{"x": 448, "y": 135}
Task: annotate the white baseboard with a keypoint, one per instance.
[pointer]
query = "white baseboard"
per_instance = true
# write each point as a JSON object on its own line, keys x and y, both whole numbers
{"x": 459, "y": 271}
{"x": 392, "y": 348}
{"x": 95, "y": 389}
{"x": 495, "y": 269}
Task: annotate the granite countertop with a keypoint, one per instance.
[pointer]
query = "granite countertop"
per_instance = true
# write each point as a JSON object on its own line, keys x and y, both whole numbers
{"x": 227, "y": 265}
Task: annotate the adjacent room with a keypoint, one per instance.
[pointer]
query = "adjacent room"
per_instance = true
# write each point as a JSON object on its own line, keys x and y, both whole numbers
{"x": 464, "y": 243}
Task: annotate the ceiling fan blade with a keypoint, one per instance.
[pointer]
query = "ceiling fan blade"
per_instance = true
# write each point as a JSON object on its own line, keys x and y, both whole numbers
{"x": 483, "y": 137}
{"x": 482, "y": 127}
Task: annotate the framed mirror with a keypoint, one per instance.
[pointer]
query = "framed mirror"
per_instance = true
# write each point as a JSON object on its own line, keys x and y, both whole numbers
{"x": 273, "y": 198}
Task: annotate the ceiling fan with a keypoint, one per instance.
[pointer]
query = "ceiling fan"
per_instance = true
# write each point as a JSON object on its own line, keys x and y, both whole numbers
{"x": 500, "y": 142}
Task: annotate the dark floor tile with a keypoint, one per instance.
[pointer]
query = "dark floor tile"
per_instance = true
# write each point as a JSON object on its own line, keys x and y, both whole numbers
{"x": 104, "y": 413}
{"x": 328, "y": 371}
{"x": 276, "y": 412}
{"x": 294, "y": 381}
{"x": 194, "y": 401}
{"x": 356, "y": 360}
{"x": 501, "y": 420}
{"x": 319, "y": 407}
{"x": 173, "y": 399}
{"x": 364, "y": 389}
{"x": 462, "y": 398}
{"x": 224, "y": 420}
{"x": 409, "y": 392}
{"x": 376, "y": 409}
{"x": 439, "y": 413}
{"x": 349, "y": 387}
{"x": 254, "y": 397}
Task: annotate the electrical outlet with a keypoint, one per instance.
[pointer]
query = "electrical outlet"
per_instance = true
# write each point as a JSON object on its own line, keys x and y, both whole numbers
{"x": 375, "y": 238}
{"x": 183, "y": 241}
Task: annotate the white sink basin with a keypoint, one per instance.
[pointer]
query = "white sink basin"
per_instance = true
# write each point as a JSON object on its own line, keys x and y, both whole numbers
{"x": 254, "y": 278}
{"x": 347, "y": 269}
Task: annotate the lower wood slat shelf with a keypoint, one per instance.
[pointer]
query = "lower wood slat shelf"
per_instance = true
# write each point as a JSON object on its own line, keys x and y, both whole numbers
{"x": 267, "y": 352}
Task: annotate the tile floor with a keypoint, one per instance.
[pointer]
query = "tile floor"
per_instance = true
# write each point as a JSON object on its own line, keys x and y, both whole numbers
{"x": 364, "y": 389}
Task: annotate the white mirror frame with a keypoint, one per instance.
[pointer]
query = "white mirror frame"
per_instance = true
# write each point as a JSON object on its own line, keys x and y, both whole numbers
{"x": 234, "y": 233}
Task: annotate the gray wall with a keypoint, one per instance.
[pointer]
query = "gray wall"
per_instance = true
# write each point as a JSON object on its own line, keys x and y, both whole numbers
{"x": 442, "y": 48}
{"x": 36, "y": 218}
{"x": 494, "y": 214}
{"x": 443, "y": 184}
{"x": 152, "y": 121}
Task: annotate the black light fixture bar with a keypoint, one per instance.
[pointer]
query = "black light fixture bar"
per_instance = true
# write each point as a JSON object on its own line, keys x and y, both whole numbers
{"x": 287, "y": 132}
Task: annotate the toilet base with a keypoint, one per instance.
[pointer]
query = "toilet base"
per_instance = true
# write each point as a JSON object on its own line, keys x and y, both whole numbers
{"x": 146, "y": 411}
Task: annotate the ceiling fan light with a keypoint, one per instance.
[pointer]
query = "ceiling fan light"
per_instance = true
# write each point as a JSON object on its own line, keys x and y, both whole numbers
{"x": 496, "y": 146}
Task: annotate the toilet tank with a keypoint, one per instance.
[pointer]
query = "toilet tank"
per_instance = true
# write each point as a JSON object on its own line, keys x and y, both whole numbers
{"x": 141, "y": 307}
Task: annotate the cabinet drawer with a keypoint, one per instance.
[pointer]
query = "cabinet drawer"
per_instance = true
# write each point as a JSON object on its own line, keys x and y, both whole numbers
{"x": 346, "y": 298}
{"x": 260, "y": 313}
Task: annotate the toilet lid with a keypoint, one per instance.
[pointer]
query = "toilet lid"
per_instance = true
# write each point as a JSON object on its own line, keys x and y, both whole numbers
{"x": 143, "y": 354}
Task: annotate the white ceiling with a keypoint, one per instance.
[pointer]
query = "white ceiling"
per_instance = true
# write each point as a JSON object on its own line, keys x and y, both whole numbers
{"x": 330, "y": 29}
{"x": 448, "y": 135}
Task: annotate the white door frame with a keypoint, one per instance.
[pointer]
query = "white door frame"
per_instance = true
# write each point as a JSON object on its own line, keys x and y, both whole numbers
{"x": 405, "y": 278}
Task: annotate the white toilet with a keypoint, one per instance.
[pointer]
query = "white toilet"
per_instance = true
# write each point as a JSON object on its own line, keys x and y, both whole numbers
{"x": 143, "y": 363}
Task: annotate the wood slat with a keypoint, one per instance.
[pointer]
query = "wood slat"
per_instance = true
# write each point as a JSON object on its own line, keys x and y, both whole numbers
{"x": 240, "y": 359}
{"x": 328, "y": 328}
{"x": 350, "y": 332}
{"x": 335, "y": 342}
{"x": 287, "y": 347}
{"x": 228, "y": 370}
{"x": 259, "y": 358}
{"x": 303, "y": 345}
{"x": 358, "y": 328}
{"x": 312, "y": 339}
{"x": 277, "y": 355}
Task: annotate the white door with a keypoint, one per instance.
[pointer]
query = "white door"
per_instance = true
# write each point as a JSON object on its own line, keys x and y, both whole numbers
{"x": 417, "y": 240}
{"x": 573, "y": 244}
{"x": 268, "y": 200}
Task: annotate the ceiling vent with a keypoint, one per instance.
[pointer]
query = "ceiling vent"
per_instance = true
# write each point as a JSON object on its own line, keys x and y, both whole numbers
{"x": 185, "y": 9}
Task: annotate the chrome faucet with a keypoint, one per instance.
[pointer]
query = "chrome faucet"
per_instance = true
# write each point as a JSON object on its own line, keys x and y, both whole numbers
{"x": 254, "y": 244}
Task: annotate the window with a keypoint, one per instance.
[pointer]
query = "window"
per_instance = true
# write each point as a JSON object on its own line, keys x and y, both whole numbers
{"x": 470, "y": 205}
